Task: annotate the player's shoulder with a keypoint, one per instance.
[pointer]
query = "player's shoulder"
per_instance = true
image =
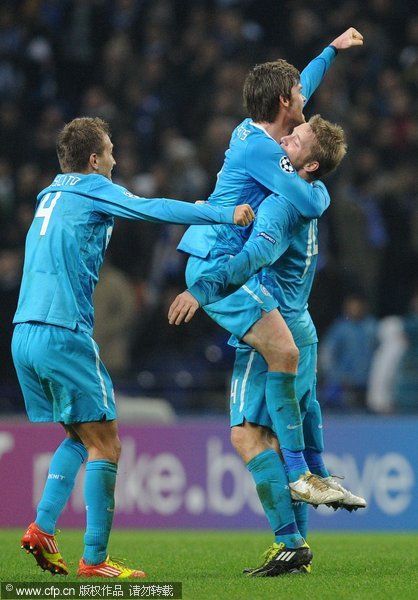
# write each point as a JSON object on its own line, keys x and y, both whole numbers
{"x": 262, "y": 145}
{"x": 243, "y": 130}
{"x": 103, "y": 188}
{"x": 253, "y": 133}
{"x": 276, "y": 202}
{"x": 98, "y": 182}
{"x": 277, "y": 208}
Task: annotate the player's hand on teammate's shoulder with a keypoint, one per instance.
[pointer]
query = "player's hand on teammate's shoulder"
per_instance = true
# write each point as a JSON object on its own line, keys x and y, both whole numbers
{"x": 350, "y": 37}
{"x": 243, "y": 215}
{"x": 182, "y": 309}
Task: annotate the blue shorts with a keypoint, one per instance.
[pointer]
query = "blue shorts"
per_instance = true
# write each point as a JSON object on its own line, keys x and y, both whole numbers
{"x": 61, "y": 375}
{"x": 237, "y": 312}
{"x": 247, "y": 401}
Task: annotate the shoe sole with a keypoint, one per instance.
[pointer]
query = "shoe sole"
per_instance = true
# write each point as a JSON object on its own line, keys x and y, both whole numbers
{"x": 43, "y": 562}
{"x": 104, "y": 576}
{"x": 300, "y": 498}
{"x": 277, "y": 571}
{"x": 295, "y": 570}
{"x": 349, "y": 507}
{"x": 302, "y": 570}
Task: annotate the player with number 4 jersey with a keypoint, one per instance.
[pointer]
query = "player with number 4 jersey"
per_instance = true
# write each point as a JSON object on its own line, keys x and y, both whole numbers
{"x": 67, "y": 240}
{"x": 57, "y": 361}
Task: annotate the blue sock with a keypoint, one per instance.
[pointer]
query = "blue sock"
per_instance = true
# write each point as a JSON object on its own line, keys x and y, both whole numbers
{"x": 271, "y": 482}
{"x": 312, "y": 427}
{"x": 301, "y": 510}
{"x": 315, "y": 462}
{"x": 295, "y": 463}
{"x": 65, "y": 464}
{"x": 99, "y": 495}
{"x": 284, "y": 410}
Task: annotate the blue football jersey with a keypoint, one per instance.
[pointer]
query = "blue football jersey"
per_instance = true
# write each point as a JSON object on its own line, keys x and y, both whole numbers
{"x": 67, "y": 240}
{"x": 256, "y": 165}
{"x": 285, "y": 245}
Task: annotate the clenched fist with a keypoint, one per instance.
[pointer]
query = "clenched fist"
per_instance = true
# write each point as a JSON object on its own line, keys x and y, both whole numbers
{"x": 349, "y": 38}
{"x": 243, "y": 215}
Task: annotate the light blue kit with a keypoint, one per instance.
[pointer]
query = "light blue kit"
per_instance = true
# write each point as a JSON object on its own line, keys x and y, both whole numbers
{"x": 255, "y": 165}
{"x": 285, "y": 246}
{"x": 283, "y": 242}
{"x": 57, "y": 361}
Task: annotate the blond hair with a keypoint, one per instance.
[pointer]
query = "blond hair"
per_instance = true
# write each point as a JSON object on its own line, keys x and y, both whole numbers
{"x": 329, "y": 147}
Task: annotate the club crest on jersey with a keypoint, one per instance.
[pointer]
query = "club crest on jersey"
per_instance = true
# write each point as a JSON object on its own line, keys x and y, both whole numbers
{"x": 286, "y": 165}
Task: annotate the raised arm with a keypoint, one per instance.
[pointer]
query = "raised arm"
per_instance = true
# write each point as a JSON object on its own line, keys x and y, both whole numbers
{"x": 314, "y": 72}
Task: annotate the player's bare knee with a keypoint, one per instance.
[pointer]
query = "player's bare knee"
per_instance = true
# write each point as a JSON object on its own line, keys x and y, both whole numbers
{"x": 281, "y": 355}
{"x": 292, "y": 354}
{"x": 242, "y": 439}
{"x": 112, "y": 449}
{"x": 237, "y": 437}
{"x": 117, "y": 449}
{"x": 104, "y": 451}
{"x": 248, "y": 440}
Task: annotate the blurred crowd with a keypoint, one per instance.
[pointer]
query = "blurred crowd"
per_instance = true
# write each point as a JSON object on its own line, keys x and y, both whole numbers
{"x": 168, "y": 77}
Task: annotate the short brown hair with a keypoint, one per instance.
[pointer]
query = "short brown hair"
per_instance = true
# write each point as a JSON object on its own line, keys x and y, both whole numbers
{"x": 264, "y": 85}
{"x": 330, "y": 145}
{"x": 78, "y": 140}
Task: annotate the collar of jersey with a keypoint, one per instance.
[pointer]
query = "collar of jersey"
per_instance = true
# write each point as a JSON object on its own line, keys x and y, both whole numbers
{"x": 262, "y": 129}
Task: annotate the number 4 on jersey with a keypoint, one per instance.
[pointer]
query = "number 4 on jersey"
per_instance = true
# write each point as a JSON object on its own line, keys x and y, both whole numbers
{"x": 45, "y": 212}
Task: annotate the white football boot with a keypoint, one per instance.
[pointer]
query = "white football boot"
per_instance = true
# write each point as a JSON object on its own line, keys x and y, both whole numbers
{"x": 315, "y": 490}
{"x": 350, "y": 501}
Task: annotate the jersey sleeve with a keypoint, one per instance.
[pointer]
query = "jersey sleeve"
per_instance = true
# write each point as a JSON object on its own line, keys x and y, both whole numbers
{"x": 267, "y": 163}
{"x": 269, "y": 240}
{"x": 314, "y": 72}
{"x": 115, "y": 200}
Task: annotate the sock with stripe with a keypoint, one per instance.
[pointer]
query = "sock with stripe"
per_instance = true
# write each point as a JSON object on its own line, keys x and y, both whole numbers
{"x": 63, "y": 470}
{"x": 271, "y": 482}
{"x": 99, "y": 495}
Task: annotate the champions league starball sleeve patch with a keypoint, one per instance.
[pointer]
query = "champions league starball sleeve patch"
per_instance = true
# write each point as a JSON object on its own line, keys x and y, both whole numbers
{"x": 286, "y": 165}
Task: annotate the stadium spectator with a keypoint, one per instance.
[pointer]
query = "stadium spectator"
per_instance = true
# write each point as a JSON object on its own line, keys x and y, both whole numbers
{"x": 346, "y": 353}
{"x": 10, "y": 273}
{"x": 115, "y": 311}
{"x": 391, "y": 346}
{"x": 405, "y": 388}
{"x": 46, "y": 53}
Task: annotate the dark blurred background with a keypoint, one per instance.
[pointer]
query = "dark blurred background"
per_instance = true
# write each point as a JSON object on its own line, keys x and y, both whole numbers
{"x": 168, "y": 77}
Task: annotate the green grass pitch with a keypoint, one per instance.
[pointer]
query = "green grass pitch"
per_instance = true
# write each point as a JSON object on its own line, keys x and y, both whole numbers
{"x": 346, "y": 566}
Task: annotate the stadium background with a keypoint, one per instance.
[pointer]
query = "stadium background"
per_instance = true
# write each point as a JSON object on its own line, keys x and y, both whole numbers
{"x": 168, "y": 77}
